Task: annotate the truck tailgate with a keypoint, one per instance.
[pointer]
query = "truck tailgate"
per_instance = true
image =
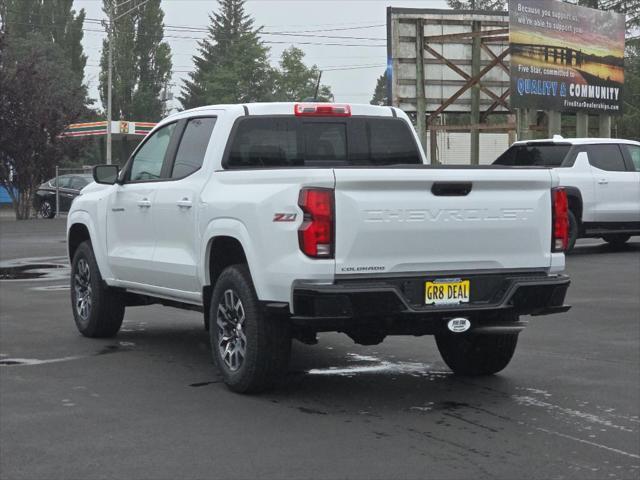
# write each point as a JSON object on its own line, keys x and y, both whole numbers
{"x": 397, "y": 220}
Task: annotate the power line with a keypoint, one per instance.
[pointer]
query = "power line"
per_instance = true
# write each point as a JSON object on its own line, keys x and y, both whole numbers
{"x": 186, "y": 29}
{"x": 206, "y": 28}
{"x": 274, "y": 42}
{"x": 329, "y": 68}
{"x": 193, "y": 29}
{"x": 268, "y": 42}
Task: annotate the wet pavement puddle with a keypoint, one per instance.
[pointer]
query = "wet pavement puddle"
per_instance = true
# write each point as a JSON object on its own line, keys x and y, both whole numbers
{"x": 35, "y": 361}
{"x": 366, "y": 364}
{"x": 6, "y": 361}
{"x": 35, "y": 268}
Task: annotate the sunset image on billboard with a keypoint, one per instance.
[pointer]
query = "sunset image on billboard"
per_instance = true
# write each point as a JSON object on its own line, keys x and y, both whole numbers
{"x": 565, "y": 57}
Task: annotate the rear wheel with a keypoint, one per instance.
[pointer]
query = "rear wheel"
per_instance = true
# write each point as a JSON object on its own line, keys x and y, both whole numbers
{"x": 98, "y": 311}
{"x": 475, "y": 355}
{"x": 617, "y": 239}
{"x": 47, "y": 209}
{"x": 250, "y": 348}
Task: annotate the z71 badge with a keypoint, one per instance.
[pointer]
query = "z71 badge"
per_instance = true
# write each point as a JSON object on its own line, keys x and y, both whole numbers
{"x": 284, "y": 217}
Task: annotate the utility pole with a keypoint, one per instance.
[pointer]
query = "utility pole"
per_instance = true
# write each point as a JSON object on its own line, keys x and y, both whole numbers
{"x": 110, "y": 28}
{"x": 315, "y": 95}
{"x": 109, "y": 83}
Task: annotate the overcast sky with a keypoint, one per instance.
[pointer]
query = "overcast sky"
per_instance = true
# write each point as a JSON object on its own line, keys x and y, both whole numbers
{"x": 355, "y": 86}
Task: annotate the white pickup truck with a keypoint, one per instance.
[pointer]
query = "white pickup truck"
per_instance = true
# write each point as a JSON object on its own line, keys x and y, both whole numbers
{"x": 283, "y": 220}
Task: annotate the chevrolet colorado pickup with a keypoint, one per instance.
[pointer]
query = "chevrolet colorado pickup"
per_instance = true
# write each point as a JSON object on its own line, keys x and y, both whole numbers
{"x": 283, "y": 220}
{"x": 601, "y": 177}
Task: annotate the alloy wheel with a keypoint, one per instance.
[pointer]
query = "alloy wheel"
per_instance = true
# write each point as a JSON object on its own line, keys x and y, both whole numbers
{"x": 46, "y": 209}
{"x": 82, "y": 287}
{"x": 230, "y": 320}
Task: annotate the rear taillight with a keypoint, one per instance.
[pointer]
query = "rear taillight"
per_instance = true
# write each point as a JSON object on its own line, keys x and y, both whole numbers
{"x": 321, "y": 110}
{"x": 560, "y": 219}
{"x": 316, "y": 233}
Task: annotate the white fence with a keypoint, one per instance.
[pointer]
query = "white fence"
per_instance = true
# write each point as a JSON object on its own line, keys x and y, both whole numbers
{"x": 454, "y": 148}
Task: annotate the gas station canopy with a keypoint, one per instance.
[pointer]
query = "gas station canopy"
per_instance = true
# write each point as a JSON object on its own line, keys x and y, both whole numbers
{"x": 121, "y": 128}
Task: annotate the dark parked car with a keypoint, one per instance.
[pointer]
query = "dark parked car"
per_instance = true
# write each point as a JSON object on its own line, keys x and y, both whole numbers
{"x": 70, "y": 185}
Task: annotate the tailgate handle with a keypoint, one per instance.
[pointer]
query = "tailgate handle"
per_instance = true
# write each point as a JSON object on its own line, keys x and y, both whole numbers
{"x": 451, "y": 189}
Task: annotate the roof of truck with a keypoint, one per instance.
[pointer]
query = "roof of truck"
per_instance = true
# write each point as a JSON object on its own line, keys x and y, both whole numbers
{"x": 576, "y": 141}
{"x": 287, "y": 108}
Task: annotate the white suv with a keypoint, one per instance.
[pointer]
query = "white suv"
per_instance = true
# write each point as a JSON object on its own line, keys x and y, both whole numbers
{"x": 601, "y": 177}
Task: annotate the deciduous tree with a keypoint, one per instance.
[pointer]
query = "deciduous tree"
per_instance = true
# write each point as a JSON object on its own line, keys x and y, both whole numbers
{"x": 294, "y": 81}
{"x": 39, "y": 98}
{"x": 141, "y": 61}
{"x": 477, "y": 4}
{"x": 55, "y": 21}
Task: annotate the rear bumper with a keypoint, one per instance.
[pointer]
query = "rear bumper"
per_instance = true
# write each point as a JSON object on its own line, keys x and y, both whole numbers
{"x": 348, "y": 303}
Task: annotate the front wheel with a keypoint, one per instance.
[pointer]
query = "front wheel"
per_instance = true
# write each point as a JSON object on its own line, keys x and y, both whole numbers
{"x": 616, "y": 239}
{"x": 250, "y": 348}
{"x": 476, "y": 355}
{"x": 98, "y": 311}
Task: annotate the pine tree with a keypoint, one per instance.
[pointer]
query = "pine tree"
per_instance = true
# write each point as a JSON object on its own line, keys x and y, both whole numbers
{"x": 54, "y": 21}
{"x": 380, "y": 93}
{"x": 141, "y": 61}
{"x": 294, "y": 81}
{"x": 232, "y": 65}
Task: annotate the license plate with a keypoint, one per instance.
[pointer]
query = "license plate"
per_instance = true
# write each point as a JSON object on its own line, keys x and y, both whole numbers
{"x": 448, "y": 291}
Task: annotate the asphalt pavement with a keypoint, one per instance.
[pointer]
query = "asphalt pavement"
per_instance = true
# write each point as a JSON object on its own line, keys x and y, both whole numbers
{"x": 150, "y": 404}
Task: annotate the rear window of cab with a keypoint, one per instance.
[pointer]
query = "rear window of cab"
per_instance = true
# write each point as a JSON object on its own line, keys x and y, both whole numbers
{"x": 287, "y": 141}
{"x": 546, "y": 155}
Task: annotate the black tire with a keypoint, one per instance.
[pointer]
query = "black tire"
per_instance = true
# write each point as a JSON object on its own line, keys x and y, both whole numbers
{"x": 574, "y": 228}
{"x": 100, "y": 314}
{"x": 47, "y": 209}
{"x": 616, "y": 239}
{"x": 476, "y": 355}
{"x": 238, "y": 327}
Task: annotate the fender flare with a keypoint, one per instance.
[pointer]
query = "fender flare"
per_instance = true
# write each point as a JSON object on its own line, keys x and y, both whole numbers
{"x": 234, "y": 228}
{"x": 83, "y": 217}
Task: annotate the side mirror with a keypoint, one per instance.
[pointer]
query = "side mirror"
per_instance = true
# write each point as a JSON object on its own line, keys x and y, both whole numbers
{"x": 106, "y": 174}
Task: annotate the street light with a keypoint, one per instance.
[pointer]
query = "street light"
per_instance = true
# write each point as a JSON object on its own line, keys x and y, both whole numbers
{"x": 110, "y": 66}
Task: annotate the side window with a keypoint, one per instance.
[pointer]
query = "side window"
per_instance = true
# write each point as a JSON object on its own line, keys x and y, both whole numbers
{"x": 147, "y": 163}
{"x": 77, "y": 183}
{"x": 265, "y": 142}
{"x": 634, "y": 153}
{"x": 64, "y": 182}
{"x": 606, "y": 157}
{"x": 507, "y": 158}
{"x": 391, "y": 143}
{"x": 193, "y": 146}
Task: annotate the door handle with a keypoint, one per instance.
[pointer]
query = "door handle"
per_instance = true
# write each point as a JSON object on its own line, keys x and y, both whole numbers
{"x": 184, "y": 203}
{"x": 144, "y": 203}
{"x": 602, "y": 181}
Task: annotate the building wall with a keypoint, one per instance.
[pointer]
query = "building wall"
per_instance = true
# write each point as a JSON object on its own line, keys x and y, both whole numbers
{"x": 5, "y": 199}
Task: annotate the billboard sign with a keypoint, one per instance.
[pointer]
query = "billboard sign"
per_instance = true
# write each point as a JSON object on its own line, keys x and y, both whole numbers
{"x": 447, "y": 58}
{"x": 565, "y": 57}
